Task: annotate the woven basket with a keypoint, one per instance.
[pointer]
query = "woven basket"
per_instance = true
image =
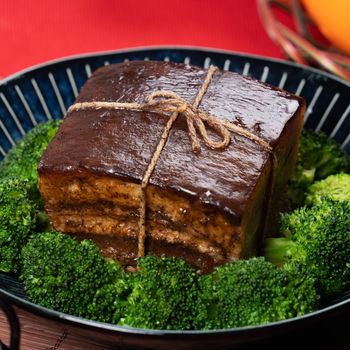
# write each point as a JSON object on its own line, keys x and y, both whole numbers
{"x": 301, "y": 46}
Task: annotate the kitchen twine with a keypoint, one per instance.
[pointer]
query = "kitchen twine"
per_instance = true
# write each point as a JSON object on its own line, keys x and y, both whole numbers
{"x": 164, "y": 102}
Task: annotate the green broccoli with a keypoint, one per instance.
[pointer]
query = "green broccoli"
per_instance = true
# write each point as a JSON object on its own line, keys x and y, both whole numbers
{"x": 109, "y": 302}
{"x": 17, "y": 220}
{"x": 164, "y": 295}
{"x": 22, "y": 160}
{"x": 335, "y": 186}
{"x": 254, "y": 291}
{"x": 60, "y": 273}
{"x": 318, "y": 157}
{"x": 318, "y": 238}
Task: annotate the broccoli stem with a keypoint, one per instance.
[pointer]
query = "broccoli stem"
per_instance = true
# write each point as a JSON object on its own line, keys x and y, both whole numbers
{"x": 277, "y": 250}
{"x": 43, "y": 222}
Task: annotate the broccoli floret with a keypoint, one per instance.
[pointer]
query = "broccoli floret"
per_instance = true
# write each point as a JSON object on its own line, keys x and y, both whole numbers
{"x": 254, "y": 291}
{"x": 335, "y": 186}
{"x": 164, "y": 295}
{"x": 17, "y": 220}
{"x": 60, "y": 273}
{"x": 22, "y": 160}
{"x": 109, "y": 302}
{"x": 323, "y": 154}
{"x": 318, "y": 238}
{"x": 318, "y": 157}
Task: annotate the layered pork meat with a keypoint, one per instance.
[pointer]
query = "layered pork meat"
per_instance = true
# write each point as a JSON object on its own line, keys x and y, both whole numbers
{"x": 208, "y": 208}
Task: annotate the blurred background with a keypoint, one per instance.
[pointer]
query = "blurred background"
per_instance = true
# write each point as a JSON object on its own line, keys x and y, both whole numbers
{"x": 306, "y": 31}
{"x": 35, "y": 31}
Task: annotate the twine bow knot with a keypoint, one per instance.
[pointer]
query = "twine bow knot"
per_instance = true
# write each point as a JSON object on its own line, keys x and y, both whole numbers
{"x": 169, "y": 101}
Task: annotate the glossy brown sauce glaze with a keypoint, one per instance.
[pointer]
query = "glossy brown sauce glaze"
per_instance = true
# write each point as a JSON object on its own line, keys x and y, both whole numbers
{"x": 118, "y": 143}
{"x": 121, "y": 143}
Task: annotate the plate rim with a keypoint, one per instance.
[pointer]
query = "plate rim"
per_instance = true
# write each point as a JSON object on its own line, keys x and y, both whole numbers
{"x": 78, "y": 321}
{"x": 135, "y": 49}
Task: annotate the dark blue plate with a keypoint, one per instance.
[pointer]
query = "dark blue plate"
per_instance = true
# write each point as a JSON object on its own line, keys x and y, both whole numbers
{"x": 46, "y": 91}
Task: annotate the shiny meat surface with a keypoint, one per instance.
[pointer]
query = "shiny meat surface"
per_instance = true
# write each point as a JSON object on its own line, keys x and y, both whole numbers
{"x": 212, "y": 204}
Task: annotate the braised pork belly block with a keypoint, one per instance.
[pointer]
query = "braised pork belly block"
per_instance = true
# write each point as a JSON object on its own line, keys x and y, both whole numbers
{"x": 208, "y": 208}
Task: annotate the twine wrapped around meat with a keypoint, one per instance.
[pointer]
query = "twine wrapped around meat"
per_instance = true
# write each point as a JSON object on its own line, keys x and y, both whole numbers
{"x": 165, "y": 102}
{"x": 169, "y": 102}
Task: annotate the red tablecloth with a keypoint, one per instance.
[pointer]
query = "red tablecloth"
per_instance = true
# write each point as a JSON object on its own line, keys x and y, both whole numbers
{"x": 35, "y": 31}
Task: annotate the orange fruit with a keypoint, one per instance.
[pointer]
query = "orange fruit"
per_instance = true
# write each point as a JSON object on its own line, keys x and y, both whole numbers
{"x": 332, "y": 17}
